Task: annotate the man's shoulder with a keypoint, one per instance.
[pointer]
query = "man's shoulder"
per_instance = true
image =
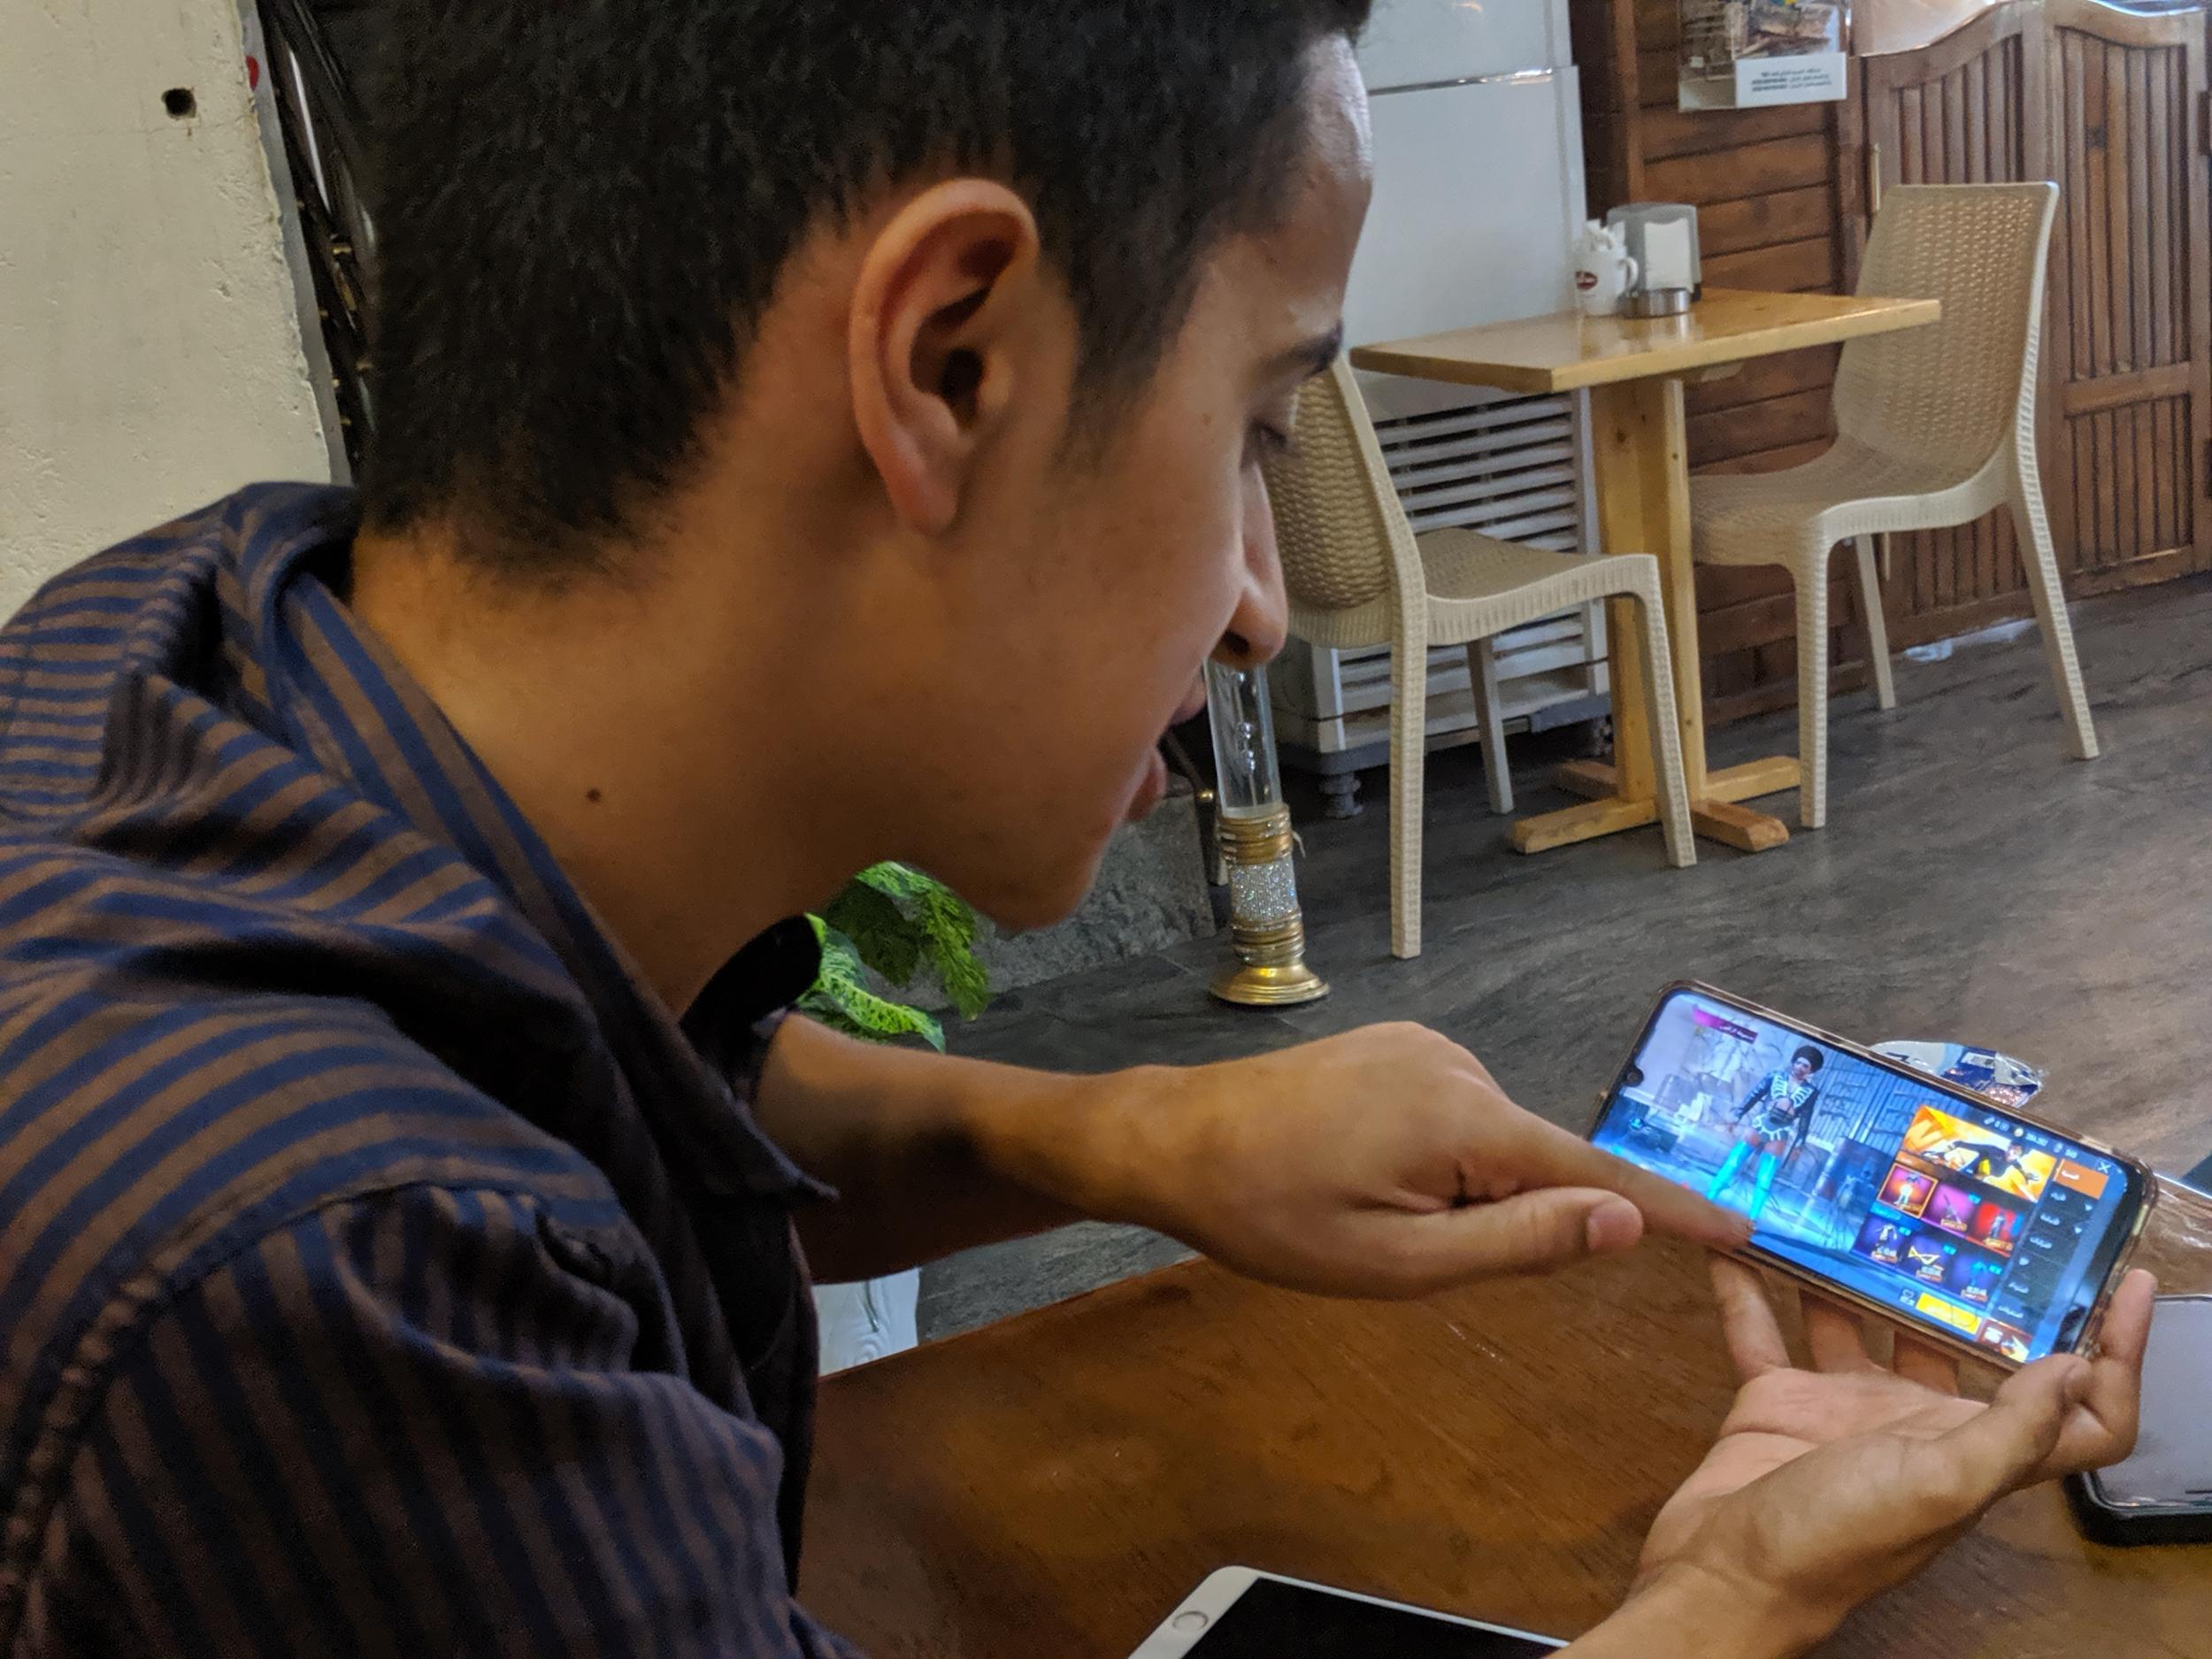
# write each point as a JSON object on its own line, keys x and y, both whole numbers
{"x": 145, "y": 1139}
{"x": 209, "y": 1181}
{"x": 141, "y": 1117}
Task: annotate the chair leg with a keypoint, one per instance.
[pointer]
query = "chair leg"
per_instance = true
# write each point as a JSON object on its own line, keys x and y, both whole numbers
{"x": 1877, "y": 624}
{"x": 1812, "y": 691}
{"x": 1666, "y": 731}
{"x": 2031, "y": 528}
{"x": 1497, "y": 770}
{"x": 1409, "y": 763}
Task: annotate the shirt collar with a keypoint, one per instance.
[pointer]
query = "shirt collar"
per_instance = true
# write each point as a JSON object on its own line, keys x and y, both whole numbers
{"x": 342, "y": 698}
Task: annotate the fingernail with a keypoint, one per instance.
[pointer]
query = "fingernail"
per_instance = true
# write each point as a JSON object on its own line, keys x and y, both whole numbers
{"x": 1612, "y": 1227}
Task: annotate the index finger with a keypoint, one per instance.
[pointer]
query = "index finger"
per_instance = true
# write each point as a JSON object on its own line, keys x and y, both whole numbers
{"x": 1567, "y": 1160}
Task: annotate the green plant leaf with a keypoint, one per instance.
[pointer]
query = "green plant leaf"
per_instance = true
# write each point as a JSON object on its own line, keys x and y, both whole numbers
{"x": 947, "y": 929}
{"x": 889, "y": 941}
{"x": 842, "y": 998}
{"x": 949, "y": 944}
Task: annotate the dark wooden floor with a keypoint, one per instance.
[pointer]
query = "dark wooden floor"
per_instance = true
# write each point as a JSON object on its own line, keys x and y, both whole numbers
{"x": 1972, "y": 883}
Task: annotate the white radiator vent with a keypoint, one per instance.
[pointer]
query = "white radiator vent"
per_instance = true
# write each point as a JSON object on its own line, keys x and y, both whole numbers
{"x": 1510, "y": 468}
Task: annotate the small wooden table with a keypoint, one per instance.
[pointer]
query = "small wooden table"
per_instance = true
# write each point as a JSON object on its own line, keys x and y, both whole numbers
{"x": 1635, "y": 372}
{"x": 1050, "y": 1487}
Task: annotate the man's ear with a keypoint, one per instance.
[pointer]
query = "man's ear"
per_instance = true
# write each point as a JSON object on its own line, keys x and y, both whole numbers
{"x": 943, "y": 296}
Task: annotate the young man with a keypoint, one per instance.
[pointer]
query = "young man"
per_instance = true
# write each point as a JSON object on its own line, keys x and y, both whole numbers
{"x": 806, "y": 435}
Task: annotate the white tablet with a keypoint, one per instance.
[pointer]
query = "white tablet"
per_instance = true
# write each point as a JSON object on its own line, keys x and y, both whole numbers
{"x": 1242, "y": 1614}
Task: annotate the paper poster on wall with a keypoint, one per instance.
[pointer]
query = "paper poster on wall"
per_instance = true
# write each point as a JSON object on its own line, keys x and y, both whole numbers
{"x": 1747, "y": 54}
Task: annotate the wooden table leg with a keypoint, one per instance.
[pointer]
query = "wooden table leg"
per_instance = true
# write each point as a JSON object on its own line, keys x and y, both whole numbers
{"x": 1639, "y": 433}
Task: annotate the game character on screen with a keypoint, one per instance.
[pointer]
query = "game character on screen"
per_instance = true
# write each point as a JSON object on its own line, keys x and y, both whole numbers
{"x": 1881, "y": 1243}
{"x": 1773, "y": 1122}
{"x": 1980, "y": 1159}
{"x": 1975, "y": 1281}
{"x": 1997, "y": 1227}
{"x": 1908, "y": 1190}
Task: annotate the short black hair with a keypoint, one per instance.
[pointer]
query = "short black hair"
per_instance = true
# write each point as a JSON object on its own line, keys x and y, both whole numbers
{"x": 582, "y": 208}
{"x": 1811, "y": 1055}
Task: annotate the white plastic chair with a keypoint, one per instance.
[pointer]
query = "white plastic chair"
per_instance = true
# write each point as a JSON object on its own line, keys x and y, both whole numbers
{"x": 1359, "y": 576}
{"x": 1936, "y": 427}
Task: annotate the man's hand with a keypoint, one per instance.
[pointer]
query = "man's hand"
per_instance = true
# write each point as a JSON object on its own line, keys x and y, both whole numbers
{"x": 1382, "y": 1163}
{"x": 1832, "y": 1485}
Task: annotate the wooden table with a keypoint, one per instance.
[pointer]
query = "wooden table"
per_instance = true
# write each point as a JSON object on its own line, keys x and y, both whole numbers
{"x": 1050, "y": 1487}
{"x": 1635, "y": 372}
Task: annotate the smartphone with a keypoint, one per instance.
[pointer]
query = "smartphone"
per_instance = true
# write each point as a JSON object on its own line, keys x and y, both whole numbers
{"x": 1982, "y": 1228}
{"x": 1241, "y": 1614}
{"x": 2161, "y": 1495}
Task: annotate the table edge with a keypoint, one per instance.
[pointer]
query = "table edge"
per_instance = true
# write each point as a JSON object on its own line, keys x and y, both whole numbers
{"x": 1904, "y": 313}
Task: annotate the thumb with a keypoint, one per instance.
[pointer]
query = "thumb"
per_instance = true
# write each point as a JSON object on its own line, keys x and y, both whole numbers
{"x": 2007, "y": 1446}
{"x": 1530, "y": 1232}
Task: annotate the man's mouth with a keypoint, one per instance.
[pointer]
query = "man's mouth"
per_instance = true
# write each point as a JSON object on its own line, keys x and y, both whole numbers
{"x": 1151, "y": 789}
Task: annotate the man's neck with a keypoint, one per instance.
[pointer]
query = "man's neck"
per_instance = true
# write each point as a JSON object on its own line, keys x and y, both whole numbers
{"x": 613, "y": 719}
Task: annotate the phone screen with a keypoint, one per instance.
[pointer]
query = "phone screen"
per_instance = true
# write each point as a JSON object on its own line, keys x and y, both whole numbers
{"x": 1275, "y": 1620}
{"x": 1958, "y": 1215}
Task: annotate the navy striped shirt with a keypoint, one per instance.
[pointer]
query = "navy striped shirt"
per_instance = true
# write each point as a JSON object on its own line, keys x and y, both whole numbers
{"x": 382, "y": 1270}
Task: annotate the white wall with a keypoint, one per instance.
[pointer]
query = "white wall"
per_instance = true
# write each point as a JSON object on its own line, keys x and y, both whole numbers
{"x": 149, "y": 346}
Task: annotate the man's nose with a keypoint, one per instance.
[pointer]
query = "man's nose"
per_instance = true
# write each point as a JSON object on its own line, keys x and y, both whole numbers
{"x": 1260, "y": 626}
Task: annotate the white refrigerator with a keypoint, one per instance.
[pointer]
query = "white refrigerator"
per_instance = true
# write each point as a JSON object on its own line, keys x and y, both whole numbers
{"x": 1478, "y": 193}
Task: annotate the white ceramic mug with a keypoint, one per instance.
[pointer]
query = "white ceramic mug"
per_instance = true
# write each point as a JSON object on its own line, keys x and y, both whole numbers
{"x": 1604, "y": 271}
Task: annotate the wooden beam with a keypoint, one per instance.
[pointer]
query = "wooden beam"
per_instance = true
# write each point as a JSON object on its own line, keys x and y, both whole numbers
{"x": 1738, "y": 827}
{"x": 1755, "y": 779}
{"x": 1762, "y": 221}
{"x": 1781, "y": 376}
{"x": 1794, "y": 267}
{"x": 1668, "y": 133}
{"x": 1593, "y": 779}
{"x": 1727, "y": 175}
{"x": 1603, "y": 33}
{"x": 1766, "y": 460}
{"x": 1583, "y": 823}
{"x": 2140, "y": 386}
{"x": 1800, "y": 418}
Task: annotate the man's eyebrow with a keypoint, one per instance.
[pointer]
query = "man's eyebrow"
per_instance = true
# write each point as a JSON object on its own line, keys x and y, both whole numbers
{"x": 1313, "y": 356}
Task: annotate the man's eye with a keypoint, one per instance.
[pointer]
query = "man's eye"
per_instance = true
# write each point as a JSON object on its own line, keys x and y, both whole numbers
{"x": 1270, "y": 441}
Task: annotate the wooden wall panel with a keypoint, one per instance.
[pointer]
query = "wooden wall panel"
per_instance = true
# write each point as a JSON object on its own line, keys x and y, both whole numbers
{"x": 1603, "y": 36}
{"x": 2129, "y": 366}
